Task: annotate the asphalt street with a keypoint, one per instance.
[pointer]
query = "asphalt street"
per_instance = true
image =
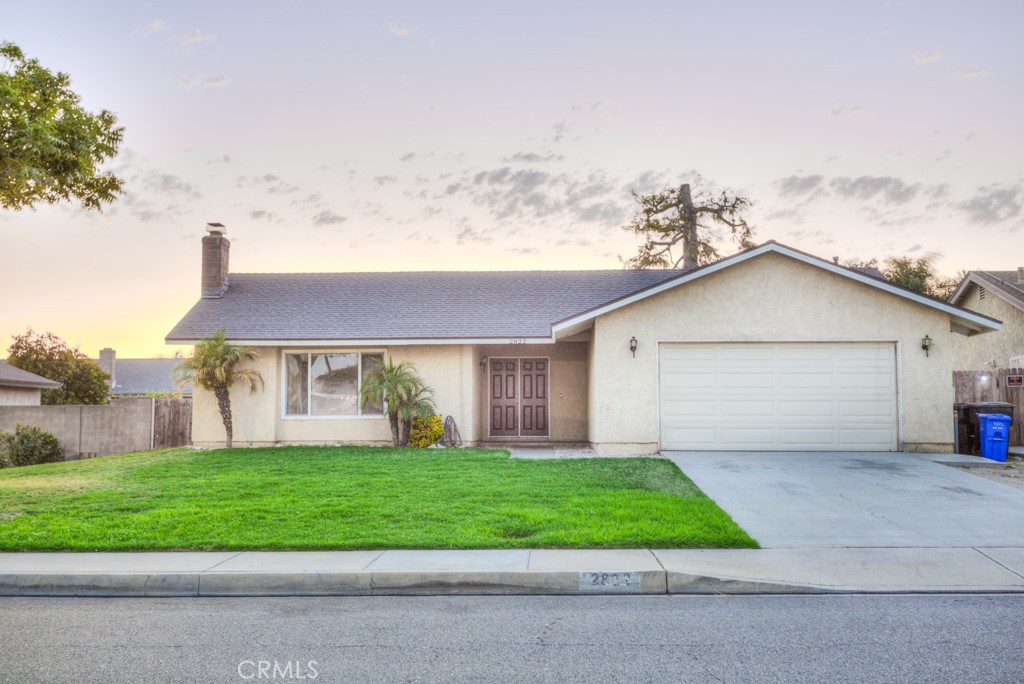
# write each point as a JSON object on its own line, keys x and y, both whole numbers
{"x": 515, "y": 639}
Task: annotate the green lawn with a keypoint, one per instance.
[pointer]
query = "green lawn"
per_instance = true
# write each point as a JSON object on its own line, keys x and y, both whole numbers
{"x": 292, "y": 498}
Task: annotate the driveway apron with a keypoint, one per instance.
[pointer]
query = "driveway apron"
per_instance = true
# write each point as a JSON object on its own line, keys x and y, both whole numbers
{"x": 837, "y": 500}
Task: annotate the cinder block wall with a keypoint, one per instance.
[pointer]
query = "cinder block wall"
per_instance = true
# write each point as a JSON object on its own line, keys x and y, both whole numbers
{"x": 117, "y": 428}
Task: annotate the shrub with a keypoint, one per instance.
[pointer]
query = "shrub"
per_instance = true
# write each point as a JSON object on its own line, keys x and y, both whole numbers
{"x": 427, "y": 431}
{"x": 28, "y": 445}
{"x": 5, "y": 459}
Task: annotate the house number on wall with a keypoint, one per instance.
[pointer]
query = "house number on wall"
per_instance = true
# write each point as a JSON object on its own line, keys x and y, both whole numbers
{"x": 610, "y": 582}
{"x": 516, "y": 340}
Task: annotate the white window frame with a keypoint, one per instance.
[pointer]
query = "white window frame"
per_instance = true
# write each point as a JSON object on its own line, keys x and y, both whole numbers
{"x": 309, "y": 383}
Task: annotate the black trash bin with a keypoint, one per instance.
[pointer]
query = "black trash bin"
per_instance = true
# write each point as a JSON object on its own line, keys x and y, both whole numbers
{"x": 968, "y": 431}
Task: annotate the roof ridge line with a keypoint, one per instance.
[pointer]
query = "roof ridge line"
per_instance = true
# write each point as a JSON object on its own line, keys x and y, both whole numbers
{"x": 587, "y": 270}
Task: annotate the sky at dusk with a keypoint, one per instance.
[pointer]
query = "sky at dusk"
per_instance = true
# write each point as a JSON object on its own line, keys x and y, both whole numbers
{"x": 348, "y": 136}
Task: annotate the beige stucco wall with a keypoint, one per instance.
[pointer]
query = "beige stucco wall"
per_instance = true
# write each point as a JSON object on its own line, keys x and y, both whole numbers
{"x": 768, "y": 298}
{"x": 567, "y": 379}
{"x": 975, "y": 352}
{"x": 258, "y": 421}
{"x": 452, "y": 371}
{"x": 20, "y": 396}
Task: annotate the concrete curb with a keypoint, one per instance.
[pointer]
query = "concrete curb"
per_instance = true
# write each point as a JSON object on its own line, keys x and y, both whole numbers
{"x": 515, "y": 572}
{"x": 152, "y": 585}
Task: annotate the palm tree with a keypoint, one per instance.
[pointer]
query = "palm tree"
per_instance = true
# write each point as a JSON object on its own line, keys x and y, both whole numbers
{"x": 418, "y": 402}
{"x": 213, "y": 367}
{"x": 390, "y": 383}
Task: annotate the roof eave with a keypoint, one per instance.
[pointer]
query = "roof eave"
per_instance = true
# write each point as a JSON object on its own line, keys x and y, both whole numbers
{"x": 970, "y": 319}
{"x": 375, "y": 342}
{"x": 30, "y": 384}
{"x": 981, "y": 279}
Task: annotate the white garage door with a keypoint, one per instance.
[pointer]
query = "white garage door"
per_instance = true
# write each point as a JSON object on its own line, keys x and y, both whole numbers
{"x": 778, "y": 397}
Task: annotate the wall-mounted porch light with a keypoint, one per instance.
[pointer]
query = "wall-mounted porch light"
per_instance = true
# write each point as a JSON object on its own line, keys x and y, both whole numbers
{"x": 927, "y": 344}
{"x": 483, "y": 363}
{"x": 632, "y": 346}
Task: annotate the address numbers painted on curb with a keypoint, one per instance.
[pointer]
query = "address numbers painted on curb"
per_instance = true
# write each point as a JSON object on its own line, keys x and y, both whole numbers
{"x": 610, "y": 582}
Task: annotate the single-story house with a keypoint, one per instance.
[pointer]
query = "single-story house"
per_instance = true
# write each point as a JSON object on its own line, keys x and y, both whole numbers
{"x": 20, "y": 388}
{"x": 999, "y": 294}
{"x": 770, "y": 349}
{"x": 140, "y": 377}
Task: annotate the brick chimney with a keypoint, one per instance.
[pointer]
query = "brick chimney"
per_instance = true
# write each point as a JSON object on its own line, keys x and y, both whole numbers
{"x": 216, "y": 248}
{"x": 108, "y": 362}
{"x": 1020, "y": 275}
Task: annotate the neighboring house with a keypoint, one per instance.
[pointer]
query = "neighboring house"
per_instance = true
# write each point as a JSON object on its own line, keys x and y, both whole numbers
{"x": 999, "y": 294}
{"x": 140, "y": 377}
{"x": 770, "y": 349}
{"x": 20, "y": 388}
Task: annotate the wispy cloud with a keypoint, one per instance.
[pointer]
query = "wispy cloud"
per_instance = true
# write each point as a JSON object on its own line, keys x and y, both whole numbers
{"x": 153, "y": 27}
{"x": 161, "y": 183}
{"x": 992, "y": 204}
{"x": 792, "y": 186}
{"x": 269, "y": 182}
{"x": 262, "y": 215}
{"x": 594, "y": 107}
{"x": 525, "y": 195}
{"x": 384, "y": 180}
{"x": 561, "y": 129}
{"x": 197, "y": 36}
{"x": 970, "y": 73}
{"x": 205, "y": 81}
{"x": 534, "y": 157}
{"x": 328, "y": 218}
{"x": 401, "y": 31}
{"x": 469, "y": 234}
{"x": 927, "y": 57}
{"x": 890, "y": 190}
{"x": 407, "y": 157}
{"x": 846, "y": 110}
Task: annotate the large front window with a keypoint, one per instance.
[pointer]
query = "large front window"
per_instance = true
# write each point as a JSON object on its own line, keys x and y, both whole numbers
{"x": 328, "y": 384}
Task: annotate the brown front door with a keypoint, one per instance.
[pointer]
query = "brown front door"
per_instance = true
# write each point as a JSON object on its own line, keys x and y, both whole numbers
{"x": 519, "y": 398}
{"x": 534, "y": 403}
{"x": 504, "y": 392}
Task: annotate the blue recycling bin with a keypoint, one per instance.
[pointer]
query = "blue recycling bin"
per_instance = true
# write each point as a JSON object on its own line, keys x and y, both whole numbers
{"x": 995, "y": 435}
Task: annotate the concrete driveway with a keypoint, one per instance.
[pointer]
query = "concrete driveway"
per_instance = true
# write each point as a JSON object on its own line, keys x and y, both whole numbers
{"x": 829, "y": 500}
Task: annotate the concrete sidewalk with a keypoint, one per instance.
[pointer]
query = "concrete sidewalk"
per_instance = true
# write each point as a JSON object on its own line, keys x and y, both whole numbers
{"x": 633, "y": 571}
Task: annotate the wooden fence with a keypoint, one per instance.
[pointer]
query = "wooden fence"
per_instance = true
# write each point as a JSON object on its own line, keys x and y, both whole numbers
{"x": 972, "y": 386}
{"x": 172, "y": 422}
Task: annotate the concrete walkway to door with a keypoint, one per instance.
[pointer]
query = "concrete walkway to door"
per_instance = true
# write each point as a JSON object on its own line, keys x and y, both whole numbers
{"x": 846, "y": 500}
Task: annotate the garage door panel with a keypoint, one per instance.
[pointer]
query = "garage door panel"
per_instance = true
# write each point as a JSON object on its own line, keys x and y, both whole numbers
{"x": 863, "y": 352}
{"x": 745, "y": 380}
{"x": 877, "y": 382}
{"x": 866, "y": 437}
{"x": 789, "y": 380}
{"x": 743, "y": 353}
{"x": 809, "y": 408}
{"x": 745, "y": 437}
{"x": 804, "y": 354}
{"x": 850, "y": 408}
{"x": 778, "y": 396}
{"x": 808, "y": 438}
{"x": 682, "y": 380}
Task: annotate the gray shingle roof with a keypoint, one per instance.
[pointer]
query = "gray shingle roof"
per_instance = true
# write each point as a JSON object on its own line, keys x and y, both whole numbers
{"x": 141, "y": 376}
{"x": 1005, "y": 282}
{"x": 16, "y": 377}
{"x": 425, "y": 305}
